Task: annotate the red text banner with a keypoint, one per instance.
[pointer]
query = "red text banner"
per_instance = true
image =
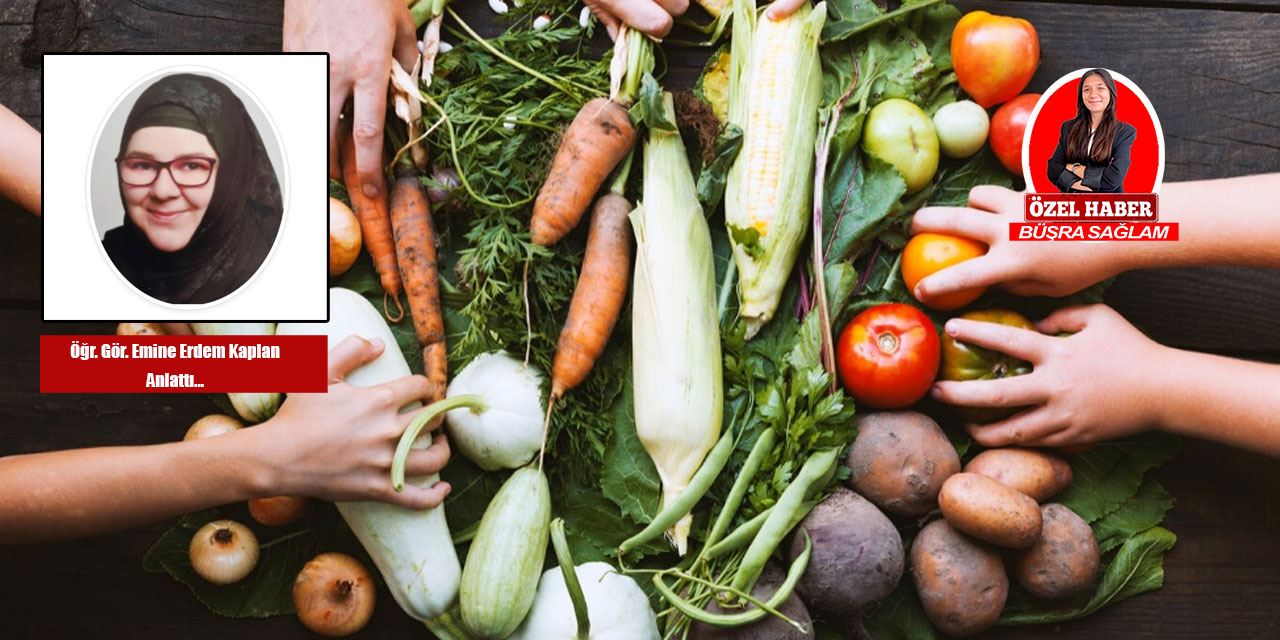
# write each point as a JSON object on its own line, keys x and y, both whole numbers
{"x": 1091, "y": 207}
{"x": 183, "y": 364}
{"x": 1092, "y": 231}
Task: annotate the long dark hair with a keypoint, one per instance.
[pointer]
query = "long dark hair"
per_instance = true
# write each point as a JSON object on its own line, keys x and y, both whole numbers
{"x": 1078, "y": 149}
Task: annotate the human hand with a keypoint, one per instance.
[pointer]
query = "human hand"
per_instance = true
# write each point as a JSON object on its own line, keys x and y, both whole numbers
{"x": 1077, "y": 169}
{"x": 360, "y": 38}
{"x": 338, "y": 445}
{"x": 780, "y": 9}
{"x": 653, "y": 17}
{"x": 1024, "y": 268}
{"x": 1085, "y": 387}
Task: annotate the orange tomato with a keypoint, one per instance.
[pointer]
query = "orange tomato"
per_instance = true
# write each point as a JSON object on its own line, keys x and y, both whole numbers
{"x": 927, "y": 253}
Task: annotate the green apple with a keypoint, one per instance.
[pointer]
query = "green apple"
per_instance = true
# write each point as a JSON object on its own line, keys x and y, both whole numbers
{"x": 901, "y": 134}
{"x": 962, "y": 128}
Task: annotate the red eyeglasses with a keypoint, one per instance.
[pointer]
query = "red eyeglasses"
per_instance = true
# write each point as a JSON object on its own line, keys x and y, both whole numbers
{"x": 187, "y": 171}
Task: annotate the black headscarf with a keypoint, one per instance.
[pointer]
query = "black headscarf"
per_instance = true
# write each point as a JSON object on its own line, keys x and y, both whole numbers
{"x": 243, "y": 216}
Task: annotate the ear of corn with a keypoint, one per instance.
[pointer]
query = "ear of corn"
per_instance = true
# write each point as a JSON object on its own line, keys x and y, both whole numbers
{"x": 775, "y": 90}
{"x": 675, "y": 332}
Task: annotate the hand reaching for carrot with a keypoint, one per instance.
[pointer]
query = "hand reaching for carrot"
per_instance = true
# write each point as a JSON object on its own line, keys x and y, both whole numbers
{"x": 360, "y": 38}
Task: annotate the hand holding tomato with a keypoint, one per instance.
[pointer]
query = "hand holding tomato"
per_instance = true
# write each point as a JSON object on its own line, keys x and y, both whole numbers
{"x": 888, "y": 355}
{"x": 963, "y": 361}
{"x": 928, "y": 253}
{"x": 1022, "y": 268}
{"x": 994, "y": 56}
{"x": 1085, "y": 387}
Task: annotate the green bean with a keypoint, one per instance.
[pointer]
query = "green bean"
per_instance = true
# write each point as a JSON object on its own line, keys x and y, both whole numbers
{"x": 738, "y": 537}
{"x": 425, "y": 415}
{"x": 762, "y": 447}
{"x": 683, "y": 504}
{"x": 746, "y": 617}
{"x": 782, "y": 519}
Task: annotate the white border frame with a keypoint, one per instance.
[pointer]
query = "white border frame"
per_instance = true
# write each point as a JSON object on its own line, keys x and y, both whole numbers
{"x": 1120, "y": 78}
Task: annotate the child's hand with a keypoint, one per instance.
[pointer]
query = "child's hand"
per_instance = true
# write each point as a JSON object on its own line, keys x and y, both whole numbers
{"x": 1090, "y": 386}
{"x": 653, "y": 17}
{"x": 338, "y": 445}
{"x": 1024, "y": 268}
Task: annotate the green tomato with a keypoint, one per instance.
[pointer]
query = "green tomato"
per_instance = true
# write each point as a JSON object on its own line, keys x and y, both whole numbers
{"x": 901, "y": 134}
{"x": 962, "y": 128}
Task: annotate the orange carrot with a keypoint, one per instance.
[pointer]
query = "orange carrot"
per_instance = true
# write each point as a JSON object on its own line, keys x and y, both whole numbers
{"x": 415, "y": 240}
{"x": 598, "y": 298}
{"x": 597, "y": 140}
{"x": 375, "y": 225}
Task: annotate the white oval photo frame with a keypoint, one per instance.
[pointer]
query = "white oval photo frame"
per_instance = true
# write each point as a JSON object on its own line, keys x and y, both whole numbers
{"x": 282, "y": 175}
{"x": 1074, "y": 75}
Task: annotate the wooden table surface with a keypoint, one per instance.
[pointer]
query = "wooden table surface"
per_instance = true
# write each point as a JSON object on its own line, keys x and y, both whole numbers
{"x": 1210, "y": 67}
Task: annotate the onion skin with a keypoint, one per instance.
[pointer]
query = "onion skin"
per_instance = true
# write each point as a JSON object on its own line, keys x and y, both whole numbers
{"x": 139, "y": 329}
{"x": 214, "y": 424}
{"x": 344, "y": 237}
{"x": 334, "y": 595}
{"x": 223, "y": 552}
{"x": 278, "y": 510}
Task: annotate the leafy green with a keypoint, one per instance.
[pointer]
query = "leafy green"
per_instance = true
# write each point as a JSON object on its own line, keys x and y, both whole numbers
{"x": 860, "y": 198}
{"x": 630, "y": 478}
{"x": 1111, "y": 473}
{"x": 899, "y": 616}
{"x": 1144, "y": 510}
{"x": 1137, "y": 568}
{"x": 648, "y": 109}
{"x": 714, "y": 176}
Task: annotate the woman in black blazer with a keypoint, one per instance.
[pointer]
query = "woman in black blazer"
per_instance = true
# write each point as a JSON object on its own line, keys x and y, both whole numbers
{"x": 1093, "y": 147}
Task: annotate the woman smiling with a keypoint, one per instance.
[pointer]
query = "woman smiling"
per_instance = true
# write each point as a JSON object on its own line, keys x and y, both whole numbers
{"x": 202, "y": 202}
{"x": 1093, "y": 148}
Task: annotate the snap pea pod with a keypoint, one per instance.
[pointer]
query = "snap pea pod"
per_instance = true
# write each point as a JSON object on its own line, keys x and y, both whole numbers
{"x": 746, "y": 617}
{"x": 738, "y": 537}
{"x": 819, "y": 466}
{"x": 683, "y": 504}
{"x": 762, "y": 447}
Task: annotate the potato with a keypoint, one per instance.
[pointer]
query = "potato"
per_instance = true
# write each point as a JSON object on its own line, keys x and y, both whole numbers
{"x": 1063, "y": 561}
{"x": 990, "y": 511}
{"x": 857, "y": 554}
{"x": 1032, "y": 472}
{"x": 961, "y": 581}
{"x": 771, "y": 627}
{"x": 900, "y": 460}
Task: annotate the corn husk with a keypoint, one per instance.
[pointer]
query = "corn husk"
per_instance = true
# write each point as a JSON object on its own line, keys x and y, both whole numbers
{"x": 675, "y": 332}
{"x": 768, "y": 205}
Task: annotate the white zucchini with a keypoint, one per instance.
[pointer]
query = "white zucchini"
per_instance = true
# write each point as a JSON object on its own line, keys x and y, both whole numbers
{"x": 254, "y": 407}
{"x": 413, "y": 549}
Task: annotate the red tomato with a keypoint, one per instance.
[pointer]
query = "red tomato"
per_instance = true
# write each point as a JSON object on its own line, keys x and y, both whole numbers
{"x": 1007, "y": 128}
{"x": 888, "y": 355}
{"x": 994, "y": 56}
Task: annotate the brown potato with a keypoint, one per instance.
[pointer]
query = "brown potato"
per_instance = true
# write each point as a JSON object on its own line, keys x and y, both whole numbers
{"x": 900, "y": 460}
{"x": 961, "y": 581}
{"x": 1064, "y": 560}
{"x": 990, "y": 511}
{"x": 1032, "y": 472}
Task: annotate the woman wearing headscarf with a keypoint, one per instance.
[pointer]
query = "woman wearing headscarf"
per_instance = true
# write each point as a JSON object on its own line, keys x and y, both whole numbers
{"x": 202, "y": 203}
{"x": 1093, "y": 147}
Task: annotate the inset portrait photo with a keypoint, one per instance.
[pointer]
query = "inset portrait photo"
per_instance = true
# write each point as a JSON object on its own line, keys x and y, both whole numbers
{"x": 1093, "y": 131}
{"x": 204, "y": 197}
